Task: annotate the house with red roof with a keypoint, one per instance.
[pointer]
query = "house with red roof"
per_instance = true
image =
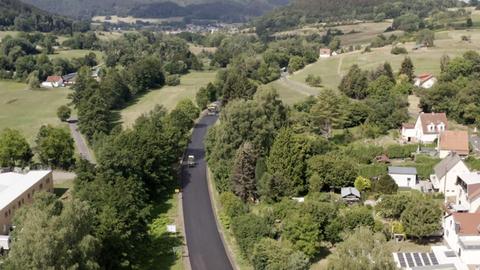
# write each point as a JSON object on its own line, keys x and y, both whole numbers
{"x": 53, "y": 82}
{"x": 325, "y": 52}
{"x": 462, "y": 234}
{"x": 425, "y": 80}
{"x": 453, "y": 141}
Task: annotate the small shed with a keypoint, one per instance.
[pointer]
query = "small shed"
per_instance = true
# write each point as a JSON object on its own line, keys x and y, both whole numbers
{"x": 350, "y": 194}
{"x": 404, "y": 176}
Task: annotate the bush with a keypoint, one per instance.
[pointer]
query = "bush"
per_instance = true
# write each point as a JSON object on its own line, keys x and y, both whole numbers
{"x": 398, "y": 50}
{"x": 248, "y": 230}
{"x": 385, "y": 184}
{"x": 232, "y": 205}
{"x": 372, "y": 170}
{"x": 362, "y": 153}
{"x": 401, "y": 151}
{"x": 63, "y": 113}
{"x": 172, "y": 80}
{"x": 314, "y": 81}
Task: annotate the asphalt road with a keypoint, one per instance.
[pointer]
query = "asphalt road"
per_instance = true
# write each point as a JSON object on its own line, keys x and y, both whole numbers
{"x": 80, "y": 142}
{"x": 205, "y": 247}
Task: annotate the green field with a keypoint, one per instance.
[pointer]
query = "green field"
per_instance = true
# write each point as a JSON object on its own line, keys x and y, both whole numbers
{"x": 70, "y": 54}
{"x": 167, "y": 96}
{"x": 27, "y": 110}
{"x": 425, "y": 60}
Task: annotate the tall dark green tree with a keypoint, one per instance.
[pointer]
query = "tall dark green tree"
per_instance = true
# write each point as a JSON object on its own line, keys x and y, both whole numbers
{"x": 355, "y": 83}
{"x": 243, "y": 173}
{"x": 407, "y": 69}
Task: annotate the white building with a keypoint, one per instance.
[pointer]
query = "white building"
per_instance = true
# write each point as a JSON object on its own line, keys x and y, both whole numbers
{"x": 16, "y": 190}
{"x": 404, "y": 176}
{"x": 425, "y": 80}
{"x": 468, "y": 191}
{"x": 453, "y": 141}
{"x": 53, "y": 82}
{"x": 445, "y": 173}
{"x": 426, "y": 129}
{"x": 462, "y": 234}
{"x": 325, "y": 52}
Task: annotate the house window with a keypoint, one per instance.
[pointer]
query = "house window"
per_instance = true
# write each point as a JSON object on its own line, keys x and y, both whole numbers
{"x": 19, "y": 203}
{"x": 23, "y": 201}
{"x": 6, "y": 214}
{"x": 28, "y": 195}
{"x": 41, "y": 186}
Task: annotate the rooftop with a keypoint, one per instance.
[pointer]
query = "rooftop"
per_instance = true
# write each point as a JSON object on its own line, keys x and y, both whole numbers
{"x": 13, "y": 184}
{"x": 454, "y": 140}
{"x": 346, "y": 191}
{"x": 470, "y": 178}
{"x": 469, "y": 223}
{"x": 433, "y": 118}
{"x": 54, "y": 78}
{"x": 402, "y": 170}
{"x": 444, "y": 166}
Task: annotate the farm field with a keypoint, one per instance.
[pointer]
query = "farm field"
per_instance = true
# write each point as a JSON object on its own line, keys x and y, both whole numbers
{"x": 27, "y": 110}
{"x": 167, "y": 96}
{"x": 425, "y": 60}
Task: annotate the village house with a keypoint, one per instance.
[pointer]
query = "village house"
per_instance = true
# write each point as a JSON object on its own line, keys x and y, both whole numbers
{"x": 453, "y": 141}
{"x": 462, "y": 234}
{"x": 404, "y": 176}
{"x": 425, "y": 80}
{"x": 16, "y": 190}
{"x": 325, "y": 52}
{"x": 468, "y": 191}
{"x": 52, "y": 82}
{"x": 445, "y": 174}
{"x": 426, "y": 129}
{"x": 69, "y": 79}
{"x": 350, "y": 194}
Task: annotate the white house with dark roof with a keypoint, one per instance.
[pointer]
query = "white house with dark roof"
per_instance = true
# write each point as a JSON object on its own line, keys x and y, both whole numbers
{"x": 445, "y": 173}
{"x": 404, "y": 176}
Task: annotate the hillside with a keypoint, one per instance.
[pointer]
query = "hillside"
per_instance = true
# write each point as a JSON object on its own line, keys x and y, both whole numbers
{"x": 15, "y": 15}
{"x": 227, "y": 10}
{"x": 312, "y": 11}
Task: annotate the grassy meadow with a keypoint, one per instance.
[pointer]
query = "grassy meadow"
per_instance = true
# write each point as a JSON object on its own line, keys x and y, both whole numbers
{"x": 167, "y": 96}
{"x": 27, "y": 110}
{"x": 70, "y": 54}
{"x": 425, "y": 60}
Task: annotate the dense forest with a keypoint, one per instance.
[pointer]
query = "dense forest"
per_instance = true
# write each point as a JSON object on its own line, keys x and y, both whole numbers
{"x": 230, "y": 11}
{"x": 15, "y": 15}
{"x": 311, "y": 11}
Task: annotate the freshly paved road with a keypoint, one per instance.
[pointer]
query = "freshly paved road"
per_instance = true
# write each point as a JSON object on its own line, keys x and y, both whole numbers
{"x": 205, "y": 247}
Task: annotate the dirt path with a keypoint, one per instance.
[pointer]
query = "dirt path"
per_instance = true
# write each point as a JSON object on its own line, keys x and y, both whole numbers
{"x": 413, "y": 106}
{"x": 339, "y": 66}
{"x": 299, "y": 87}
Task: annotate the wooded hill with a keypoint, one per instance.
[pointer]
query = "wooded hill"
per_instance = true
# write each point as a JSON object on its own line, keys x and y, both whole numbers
{"x": 225, "y": 10}
{"x": 15, "y": 15}
{"x": 310, "y": 11}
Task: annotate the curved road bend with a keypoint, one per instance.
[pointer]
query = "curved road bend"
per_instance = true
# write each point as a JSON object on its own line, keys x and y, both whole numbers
{"x": 205, "y": 247}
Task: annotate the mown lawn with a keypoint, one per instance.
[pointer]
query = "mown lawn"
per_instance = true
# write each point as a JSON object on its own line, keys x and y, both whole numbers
{"x": 27, "y": 110}
{"x": 167, "y": 96}
{"x": 332, "y": 69}
{"x": 163, "y": 249}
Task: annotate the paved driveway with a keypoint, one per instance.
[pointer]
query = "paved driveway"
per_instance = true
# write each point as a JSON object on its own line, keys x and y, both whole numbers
{"x": 205, "y": 247}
